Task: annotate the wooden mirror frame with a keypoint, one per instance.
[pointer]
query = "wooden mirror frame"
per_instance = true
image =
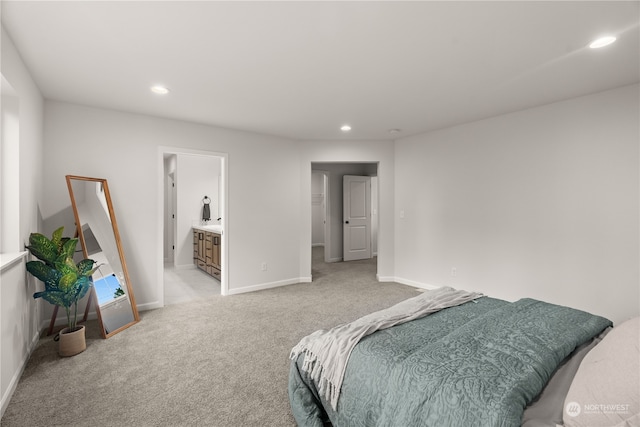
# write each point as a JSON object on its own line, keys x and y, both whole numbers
{"x": 118, "y": 244}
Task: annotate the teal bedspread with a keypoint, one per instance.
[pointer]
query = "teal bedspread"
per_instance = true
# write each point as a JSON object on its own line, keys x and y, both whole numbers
{"x": 478, "y": 364}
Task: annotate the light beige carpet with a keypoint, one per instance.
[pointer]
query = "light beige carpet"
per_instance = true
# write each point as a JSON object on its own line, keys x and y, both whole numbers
{"x": 221, "y": 361}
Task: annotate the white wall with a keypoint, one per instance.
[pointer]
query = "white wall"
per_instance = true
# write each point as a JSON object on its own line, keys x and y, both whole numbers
{"x": 9, "y": 169}
{"x": 20, "y": 313}
{"x": 380, "y": 152}
{"x": 263, "y": 218}
{"x": 540, "y": 203}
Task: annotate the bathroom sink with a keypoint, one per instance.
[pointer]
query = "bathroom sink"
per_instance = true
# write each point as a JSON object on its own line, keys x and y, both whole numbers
{"x": 212, "y": 228}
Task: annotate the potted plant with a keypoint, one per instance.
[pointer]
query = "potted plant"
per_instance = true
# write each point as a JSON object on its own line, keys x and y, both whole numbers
{"x": 65, "y": 283}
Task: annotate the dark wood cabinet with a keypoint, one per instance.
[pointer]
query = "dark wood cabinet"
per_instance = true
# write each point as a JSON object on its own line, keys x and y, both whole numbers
{"x": 216, "y": 250}
{"x": 206, "y": 252}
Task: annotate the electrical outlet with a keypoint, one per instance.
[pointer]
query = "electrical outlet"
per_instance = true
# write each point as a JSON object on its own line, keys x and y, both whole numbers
{"x": 263, "y": 267}
{"x": 454, "y": 272}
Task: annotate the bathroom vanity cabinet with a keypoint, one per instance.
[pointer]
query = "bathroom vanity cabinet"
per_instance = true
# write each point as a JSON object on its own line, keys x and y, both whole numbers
{"x": 206, "y": 251}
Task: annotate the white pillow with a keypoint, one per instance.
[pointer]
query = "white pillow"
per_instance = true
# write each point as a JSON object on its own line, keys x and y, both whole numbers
{"x": 606, "y": 388}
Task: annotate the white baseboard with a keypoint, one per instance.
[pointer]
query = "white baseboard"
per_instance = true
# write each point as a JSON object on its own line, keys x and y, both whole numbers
{"x": 419, "y": 285}
{"x": 149, "y": 306}
{"x": 415, "y": 284}
{"x": 269, "y": 285}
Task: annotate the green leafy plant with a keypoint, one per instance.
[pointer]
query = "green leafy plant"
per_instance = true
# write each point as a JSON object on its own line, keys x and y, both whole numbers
{"x": 65, "y": 282}
{"x": 118, "y": 293}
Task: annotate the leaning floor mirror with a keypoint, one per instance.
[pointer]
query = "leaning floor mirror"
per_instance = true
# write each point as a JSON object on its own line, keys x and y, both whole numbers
{"x": 97, "y": 230}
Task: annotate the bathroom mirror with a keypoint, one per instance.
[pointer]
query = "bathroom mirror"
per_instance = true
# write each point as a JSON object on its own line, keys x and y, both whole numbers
{"x": 100, "y": 240}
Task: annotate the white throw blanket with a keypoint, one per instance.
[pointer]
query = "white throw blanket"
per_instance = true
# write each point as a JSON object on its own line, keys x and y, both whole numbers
{"x": 326, "y": 353}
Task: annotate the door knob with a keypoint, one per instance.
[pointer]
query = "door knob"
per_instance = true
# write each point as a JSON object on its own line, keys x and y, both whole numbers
{"x": 346, "y": 222}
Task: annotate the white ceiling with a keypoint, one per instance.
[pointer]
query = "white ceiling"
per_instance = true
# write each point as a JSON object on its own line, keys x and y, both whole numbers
{"x": 302, "y": 69}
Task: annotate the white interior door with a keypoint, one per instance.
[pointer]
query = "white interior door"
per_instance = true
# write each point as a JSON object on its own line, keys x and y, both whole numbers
{"x": 356, "y": 217}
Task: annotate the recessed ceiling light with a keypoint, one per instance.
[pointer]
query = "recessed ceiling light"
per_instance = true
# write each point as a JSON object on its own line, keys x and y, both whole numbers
{"x": 345, "y": 128}
{"x": 602, "y": 42}
{"x": 160, "y": 90}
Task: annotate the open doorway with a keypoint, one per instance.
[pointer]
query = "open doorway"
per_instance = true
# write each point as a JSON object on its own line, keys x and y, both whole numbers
{"x": 187, "y": 178}
{"x": 327, "y": 208}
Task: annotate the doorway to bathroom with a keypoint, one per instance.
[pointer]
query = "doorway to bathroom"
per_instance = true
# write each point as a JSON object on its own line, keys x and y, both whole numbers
{"x": 191, "y": 180}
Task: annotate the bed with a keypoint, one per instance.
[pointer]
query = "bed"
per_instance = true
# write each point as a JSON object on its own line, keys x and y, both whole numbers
{"x": 483, "y": 362}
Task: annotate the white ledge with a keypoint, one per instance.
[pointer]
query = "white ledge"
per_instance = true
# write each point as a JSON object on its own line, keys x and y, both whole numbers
{"x": 9, "y": 259}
